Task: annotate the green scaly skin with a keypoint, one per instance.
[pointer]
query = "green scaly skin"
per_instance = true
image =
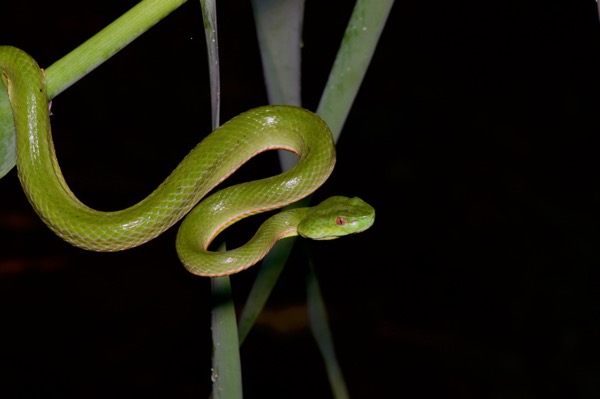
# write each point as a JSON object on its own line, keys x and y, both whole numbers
{"x": 209, "y": 163}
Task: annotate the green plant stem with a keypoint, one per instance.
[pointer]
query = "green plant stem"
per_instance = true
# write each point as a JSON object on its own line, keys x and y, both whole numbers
{"x": 280, "y": 45}
{"x": 226, "y": 372}
{"x": 209, "y": 19}
{"x": 319, "y": 325}
{"x": 280, "y": 50}
{"x": 103, "y": 45}
{"x": 81, "y": 61}
{"x": 352, "y": 60}
{"x": 268, "y": 274}
{"x": 226, "y": 362}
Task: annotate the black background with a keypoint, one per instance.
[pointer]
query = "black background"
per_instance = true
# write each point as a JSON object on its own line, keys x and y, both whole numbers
{"x": 473, "y": 136}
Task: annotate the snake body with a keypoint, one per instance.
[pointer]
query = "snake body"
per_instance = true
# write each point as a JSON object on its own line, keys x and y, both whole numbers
{"x": 209, "y": 163}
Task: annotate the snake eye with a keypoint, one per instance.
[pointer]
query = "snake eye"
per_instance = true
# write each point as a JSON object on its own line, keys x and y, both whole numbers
{"x": 340, "y": 221}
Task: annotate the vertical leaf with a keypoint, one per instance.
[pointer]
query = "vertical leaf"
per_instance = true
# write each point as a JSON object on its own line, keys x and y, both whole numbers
{"x": 279, "y": 30}
{"x": 209, "y": 18}
{"x": 352, "y": 60}
{"x": 227, "y": 369}
{"x": 318, "y": 321}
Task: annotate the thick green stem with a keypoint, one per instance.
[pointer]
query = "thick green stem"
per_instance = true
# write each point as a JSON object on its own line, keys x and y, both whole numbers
{"x": 358, "y": 45}
{"x": 227, "y": 369}
{"x": 85, "y": 58}
{"x": 226, "y": 372}
{"x": 81, "y": 61}
{"x": 319, "y": 324}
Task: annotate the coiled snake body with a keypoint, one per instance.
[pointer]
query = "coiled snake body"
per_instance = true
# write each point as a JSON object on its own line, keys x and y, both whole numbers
{"x": 209, "y": 163}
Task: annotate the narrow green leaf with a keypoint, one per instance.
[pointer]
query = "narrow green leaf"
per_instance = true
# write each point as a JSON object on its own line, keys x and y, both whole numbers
{"x": 227, "y": 369}
{"x": 279, "y": 32}
{"x": 209, "y": 18}
{"x": 268, "y": 274}
{"x": 81, "y": 61}
{"x": 319, "y": 325}
{"x": 106, "y": 43}
{"x": 352, "y": 60}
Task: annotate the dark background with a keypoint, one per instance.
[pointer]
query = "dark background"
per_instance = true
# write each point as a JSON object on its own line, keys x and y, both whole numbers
{"x": 473, "y": 136}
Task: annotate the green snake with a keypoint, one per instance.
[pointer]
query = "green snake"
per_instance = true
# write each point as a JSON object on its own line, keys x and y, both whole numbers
{"x": 183, "y": 192}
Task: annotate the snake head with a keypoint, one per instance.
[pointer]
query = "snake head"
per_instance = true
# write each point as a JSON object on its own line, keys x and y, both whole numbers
{"x": 336, "y": 217}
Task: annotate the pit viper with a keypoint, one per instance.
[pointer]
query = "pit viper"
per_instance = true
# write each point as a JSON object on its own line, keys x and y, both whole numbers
{"x": 182, "y": 194}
